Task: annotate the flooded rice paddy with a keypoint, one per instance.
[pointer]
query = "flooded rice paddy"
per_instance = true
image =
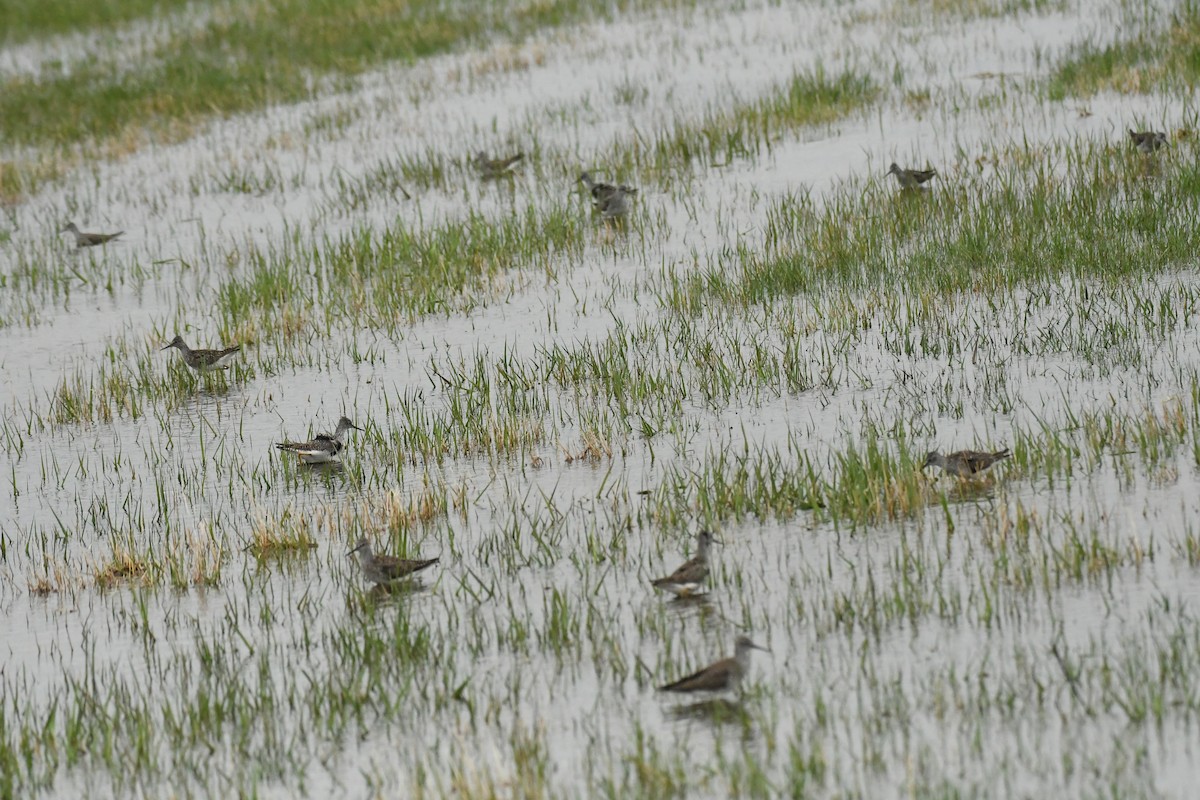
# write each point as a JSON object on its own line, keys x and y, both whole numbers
{"x": 554, "y": 404}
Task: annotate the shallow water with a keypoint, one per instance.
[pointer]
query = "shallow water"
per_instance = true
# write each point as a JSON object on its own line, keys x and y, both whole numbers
{"x": 906, "y": 658}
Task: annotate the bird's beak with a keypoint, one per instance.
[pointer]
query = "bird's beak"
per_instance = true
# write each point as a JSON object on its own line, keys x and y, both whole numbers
{"x": 355, "y": 550}
{"x": 168, "y": 347}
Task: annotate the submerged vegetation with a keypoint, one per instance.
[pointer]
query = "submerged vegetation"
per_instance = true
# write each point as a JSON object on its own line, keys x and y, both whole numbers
{"x": 553, "y": 403}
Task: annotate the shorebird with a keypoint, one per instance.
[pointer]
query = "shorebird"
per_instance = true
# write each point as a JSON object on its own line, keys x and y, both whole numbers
{"x": 615, "y": 205}
{"x": 965, "y": 463}
{"x": 689, "y": 578}
{"x": 202, "y": 360}
{"x": 602, "y": 192}
{"x": 911, "y": 178}
{"x": 495, "y": 167}
{"x": 89, "y": 239}
{"x": 323, "y": 448}
{"x": 383, "y": 569}
{"x": 1148, "y": 141}
{"x": 720, "y": 675}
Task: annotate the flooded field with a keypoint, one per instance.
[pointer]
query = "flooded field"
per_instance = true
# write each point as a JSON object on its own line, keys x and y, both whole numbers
{"x": 554, "y": 396}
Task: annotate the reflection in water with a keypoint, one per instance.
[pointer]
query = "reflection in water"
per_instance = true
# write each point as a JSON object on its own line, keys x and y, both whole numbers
{"x": 1151, "y": 167}
{"x": 970, "y": 490}
{"x": 204, "y": 391}
{"x": 699, "y": 601}
{"x": 964, "y": 490}
{"x": 384, "y": 594}
{"x": 329, "y": 480}
{"x": 717, "y": 710}
{"x": 331, "y": 475}
{"x": 327, "y": 469}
